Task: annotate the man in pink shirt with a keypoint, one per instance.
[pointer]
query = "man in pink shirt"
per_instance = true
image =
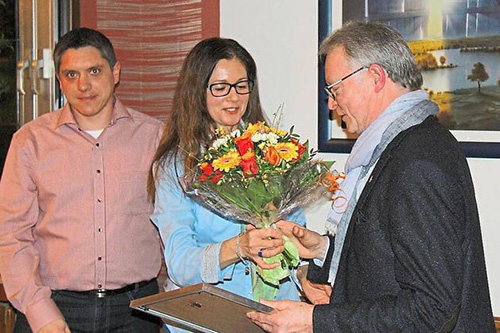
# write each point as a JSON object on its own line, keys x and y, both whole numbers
{"x": 76, "y": 242}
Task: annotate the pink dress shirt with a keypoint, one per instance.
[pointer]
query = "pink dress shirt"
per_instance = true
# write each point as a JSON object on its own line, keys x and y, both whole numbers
{"x": 74, "y": 212}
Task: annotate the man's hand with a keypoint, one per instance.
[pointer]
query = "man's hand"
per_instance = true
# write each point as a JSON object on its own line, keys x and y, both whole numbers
{"x": 288, "y": 316}
{"x": 311, "y": 244}
{"x": 57, "y": 326}
{"x": 316, "y": 293}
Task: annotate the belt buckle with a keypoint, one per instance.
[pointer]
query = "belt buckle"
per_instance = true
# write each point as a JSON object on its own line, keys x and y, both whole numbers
{"x": 101, "y": 293}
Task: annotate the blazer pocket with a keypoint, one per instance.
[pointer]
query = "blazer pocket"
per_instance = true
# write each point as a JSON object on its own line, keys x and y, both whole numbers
{"x": 365, "y": 222}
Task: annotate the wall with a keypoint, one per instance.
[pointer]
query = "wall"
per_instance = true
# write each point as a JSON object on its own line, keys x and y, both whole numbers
{"x": 151, "y": 43}
{"x": 282, "y": 36}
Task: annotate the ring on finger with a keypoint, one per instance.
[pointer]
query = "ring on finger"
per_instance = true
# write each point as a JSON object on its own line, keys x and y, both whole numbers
{"x": 260, "y": 253}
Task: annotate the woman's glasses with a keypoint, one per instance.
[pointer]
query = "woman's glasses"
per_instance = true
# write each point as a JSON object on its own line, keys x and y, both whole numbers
{"x": 243, "y": 87}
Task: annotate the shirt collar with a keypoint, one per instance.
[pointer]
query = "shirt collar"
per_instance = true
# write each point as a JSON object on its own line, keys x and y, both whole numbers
{"x": 119, "y": 111}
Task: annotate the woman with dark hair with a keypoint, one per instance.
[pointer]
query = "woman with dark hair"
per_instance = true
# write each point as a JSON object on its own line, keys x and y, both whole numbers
{"x": 217, "y": 88}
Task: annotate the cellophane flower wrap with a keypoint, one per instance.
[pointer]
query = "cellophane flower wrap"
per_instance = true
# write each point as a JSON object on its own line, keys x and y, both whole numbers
{"x": 259, "y": 174}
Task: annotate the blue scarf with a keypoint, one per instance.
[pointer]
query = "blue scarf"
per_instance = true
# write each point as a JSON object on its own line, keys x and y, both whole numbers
{"x": 406, "y": 111}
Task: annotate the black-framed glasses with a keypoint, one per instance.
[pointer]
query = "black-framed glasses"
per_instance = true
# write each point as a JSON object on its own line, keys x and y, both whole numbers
{"x": 328, "y": 88}
{"x": 243, "y": 87}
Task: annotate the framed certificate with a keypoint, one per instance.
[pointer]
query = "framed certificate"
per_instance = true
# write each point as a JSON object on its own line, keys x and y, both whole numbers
{"x": 202, "y": 308}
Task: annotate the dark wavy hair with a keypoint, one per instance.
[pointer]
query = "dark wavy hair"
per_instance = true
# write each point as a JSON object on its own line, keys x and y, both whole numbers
{"x": 189, "y": 126}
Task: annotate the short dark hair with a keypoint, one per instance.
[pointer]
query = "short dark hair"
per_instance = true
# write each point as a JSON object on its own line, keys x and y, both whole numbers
{"x": 82, "y": 37}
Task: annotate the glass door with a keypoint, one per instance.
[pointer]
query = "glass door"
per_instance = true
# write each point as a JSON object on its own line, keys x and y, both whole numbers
{"x": 37, "y": 25}
{"x": 29, "y": 30}
{"x": 8, "y": 108}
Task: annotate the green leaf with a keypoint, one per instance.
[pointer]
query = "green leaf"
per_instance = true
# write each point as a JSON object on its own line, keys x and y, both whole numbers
{"x": 263, "y": 290}
{"x": 275, "y": 275}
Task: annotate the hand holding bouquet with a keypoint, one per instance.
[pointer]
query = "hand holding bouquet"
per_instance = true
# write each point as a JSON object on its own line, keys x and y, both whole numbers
{"x": 259, "y": 174}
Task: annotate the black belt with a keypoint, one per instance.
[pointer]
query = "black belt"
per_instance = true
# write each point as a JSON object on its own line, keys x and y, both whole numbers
{"x": 101, "y": 293}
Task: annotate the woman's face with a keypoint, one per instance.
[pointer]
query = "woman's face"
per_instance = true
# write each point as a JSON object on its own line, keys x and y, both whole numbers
{"x": 227, "y": 111}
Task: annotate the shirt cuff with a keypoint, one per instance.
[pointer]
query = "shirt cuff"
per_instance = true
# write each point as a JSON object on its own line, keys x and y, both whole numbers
{"x": 321, "y": 261}
{"x": 42, "y": 313}
{"x": 210, "y": 263}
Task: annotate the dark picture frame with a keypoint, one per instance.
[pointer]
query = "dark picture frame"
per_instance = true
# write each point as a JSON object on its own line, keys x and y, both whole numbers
{"x": 327, "y": 144}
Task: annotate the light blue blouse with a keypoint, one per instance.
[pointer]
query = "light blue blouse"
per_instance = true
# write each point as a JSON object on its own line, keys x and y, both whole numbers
{"x": 192, "y": 236}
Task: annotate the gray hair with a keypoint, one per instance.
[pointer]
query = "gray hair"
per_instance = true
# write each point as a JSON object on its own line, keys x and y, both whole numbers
{"x": 367, "y": 43}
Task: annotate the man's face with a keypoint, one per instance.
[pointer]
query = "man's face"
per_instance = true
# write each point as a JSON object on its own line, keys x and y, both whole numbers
{"x": 88, "y": 83}
{"x": 352, "y": 95}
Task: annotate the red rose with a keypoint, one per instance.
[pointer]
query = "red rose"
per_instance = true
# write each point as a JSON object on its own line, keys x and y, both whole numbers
{"x": 217, "y": 177}
{"x": 249, "y": 165}
{"x": 300, "y": 151}
{"x": 206, "y": 168}
{"x": 244, "y": 143}
{"x": 209, "y": 174}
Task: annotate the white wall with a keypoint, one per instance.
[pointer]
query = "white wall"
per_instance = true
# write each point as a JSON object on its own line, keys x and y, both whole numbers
{"x": 282, "y": 36}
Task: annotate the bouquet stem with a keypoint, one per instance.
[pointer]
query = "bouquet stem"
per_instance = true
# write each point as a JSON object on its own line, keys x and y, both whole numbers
{"x": 266, "y": 282}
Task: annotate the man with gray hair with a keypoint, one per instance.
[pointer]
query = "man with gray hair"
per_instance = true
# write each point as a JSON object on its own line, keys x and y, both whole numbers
{"x": 405, "y": 253}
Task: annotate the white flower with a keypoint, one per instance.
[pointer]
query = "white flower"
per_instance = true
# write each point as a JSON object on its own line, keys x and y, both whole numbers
{"x": 272, "y": 138}
{"x": 257, "y": 136}
{"x": 219, "y": 142}
{"x": 236, "y": 133}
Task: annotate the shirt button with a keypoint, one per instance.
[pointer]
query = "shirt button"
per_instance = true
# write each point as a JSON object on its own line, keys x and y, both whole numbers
{"x": 97, "y": 145}
{"x": 99, "y": 286}
{"x": 100, "y": 229}
{"x": 99, "y": 258}
{"x": 98, "y": 171}
{"x": 98, "y": 200}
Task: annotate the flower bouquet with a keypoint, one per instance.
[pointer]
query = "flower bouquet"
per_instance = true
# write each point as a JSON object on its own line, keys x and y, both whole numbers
{"x": 259, "y": 174}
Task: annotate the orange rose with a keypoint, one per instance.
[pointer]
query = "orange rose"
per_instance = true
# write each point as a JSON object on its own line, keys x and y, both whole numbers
{"x": 272, "y": 156}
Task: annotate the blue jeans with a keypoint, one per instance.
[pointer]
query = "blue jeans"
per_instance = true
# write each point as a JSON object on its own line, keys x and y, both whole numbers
{"x": 88, "y": 313}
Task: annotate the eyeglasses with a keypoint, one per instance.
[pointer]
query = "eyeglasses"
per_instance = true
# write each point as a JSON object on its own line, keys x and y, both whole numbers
{"x": 328, "y": 88}
{"x": 243, "y": 87}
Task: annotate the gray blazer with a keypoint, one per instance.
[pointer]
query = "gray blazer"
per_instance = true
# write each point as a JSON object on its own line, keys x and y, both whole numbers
{"x": 413, "y": 256}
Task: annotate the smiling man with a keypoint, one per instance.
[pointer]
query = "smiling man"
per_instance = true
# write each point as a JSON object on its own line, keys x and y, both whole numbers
{"x": 76, "y": 242}
{"x": 405, "y": 254}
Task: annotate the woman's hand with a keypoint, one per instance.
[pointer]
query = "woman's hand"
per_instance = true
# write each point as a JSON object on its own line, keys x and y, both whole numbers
{"x": 257, "y": 244}
{"x": 254, "y": 244}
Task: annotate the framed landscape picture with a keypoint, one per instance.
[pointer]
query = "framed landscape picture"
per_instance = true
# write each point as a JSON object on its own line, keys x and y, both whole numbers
{"x": 456, "y": 44}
